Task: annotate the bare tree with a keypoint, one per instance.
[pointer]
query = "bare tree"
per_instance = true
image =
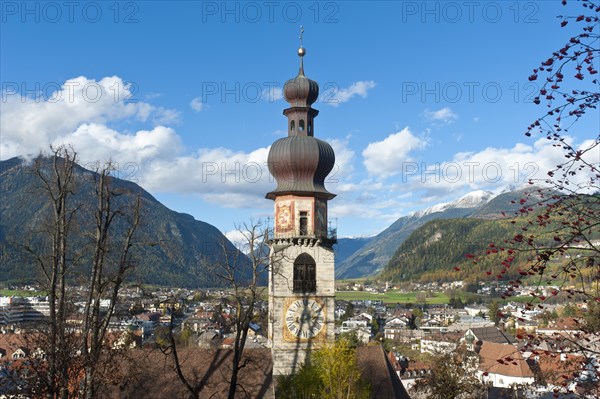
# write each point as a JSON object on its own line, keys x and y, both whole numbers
{"x": 110, "y": 263}
{"x": 243, "y": 271}
{"x": 58, "y": 183}
{"x": 450, "y": 377}
{"x": 245, "y": 281}
{"x": 68, "y": 243}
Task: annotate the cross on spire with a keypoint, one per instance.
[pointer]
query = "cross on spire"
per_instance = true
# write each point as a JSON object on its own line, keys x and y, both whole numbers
{"x": 301, "y": 52}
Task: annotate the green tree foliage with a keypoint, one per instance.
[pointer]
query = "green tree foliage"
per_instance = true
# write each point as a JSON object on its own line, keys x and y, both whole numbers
{"x": 546, "y": 317}
{"x": 449, "y": 379}
{"x": 494, "y": 313}
{"x": 441, "y": 250}
{"x": 416, "y": 316}
{"x": 352, "y": 338}
{"x": 375, "y": 326}
{"x": 436, "y": 251}
{"x": 185, "y": 338}
{"x": 592, "y": 318}
{"x": 569, "y": 310}
{"x": 456, "y": 302}
{"x": 332, "y": 373}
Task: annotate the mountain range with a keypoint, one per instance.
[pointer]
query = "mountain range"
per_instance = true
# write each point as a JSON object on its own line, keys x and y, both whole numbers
{"x": 186, "y": 246}
{"x": 174, "y": 249}
{"x": 360, "y": 257}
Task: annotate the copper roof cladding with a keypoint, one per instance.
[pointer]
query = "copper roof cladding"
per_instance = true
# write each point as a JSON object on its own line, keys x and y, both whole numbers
{"x": 301, "y": 91}
{"x": 300, "y": 165}
{"x": 300, "y": 162}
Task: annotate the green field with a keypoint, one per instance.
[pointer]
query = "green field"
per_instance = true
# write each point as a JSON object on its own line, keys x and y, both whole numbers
{"x": 393, "y": 297}
{"x": 21, "y": 293}
{"x": 411, "y": 297}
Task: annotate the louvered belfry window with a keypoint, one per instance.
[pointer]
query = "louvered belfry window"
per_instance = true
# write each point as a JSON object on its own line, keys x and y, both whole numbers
{"x": 305, "y": 274}
{"x": 303, "y": 223}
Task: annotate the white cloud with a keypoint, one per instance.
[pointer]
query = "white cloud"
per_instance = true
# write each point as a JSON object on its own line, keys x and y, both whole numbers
{"x": 79, "y": 114}
{"x": 444, "y": 115}
{"x": 30, "y": 124}
{"x": 338, "y": 96}
{"x": 240, "y": 179}
{"x": 218, "y": 175}
{"x": 166, "y": 117}
{"x": 238, "y": 238}
{"x": 344, "y": 159}
{"x": 98, "y": 142}
{"x": 488, "y": 169}
{"x": 386, "y": 158}
{"x": 154, "y": 157}
{"x": 272, "y": 94}
{"x": 424, "y": 184}
{"x": 196, "y": 104}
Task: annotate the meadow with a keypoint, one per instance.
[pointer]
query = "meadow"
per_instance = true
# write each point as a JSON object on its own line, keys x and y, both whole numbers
{"x": 392, "y": 297}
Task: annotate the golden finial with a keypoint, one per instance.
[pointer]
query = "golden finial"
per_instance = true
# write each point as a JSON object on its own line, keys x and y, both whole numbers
{"x": 301, "y": 50}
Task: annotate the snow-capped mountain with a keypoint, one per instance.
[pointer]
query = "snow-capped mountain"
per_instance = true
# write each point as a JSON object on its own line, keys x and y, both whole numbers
{"x": 369, "y": 255}
{"x": 470, "y": 200}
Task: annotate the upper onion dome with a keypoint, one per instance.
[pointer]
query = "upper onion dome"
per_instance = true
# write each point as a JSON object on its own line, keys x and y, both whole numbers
{"x": 301, "y": 91}
{"x": 300, "y": 162}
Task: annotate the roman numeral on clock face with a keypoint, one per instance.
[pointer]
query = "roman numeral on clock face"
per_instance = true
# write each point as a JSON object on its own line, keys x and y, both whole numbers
{"x": 304, "y": 318}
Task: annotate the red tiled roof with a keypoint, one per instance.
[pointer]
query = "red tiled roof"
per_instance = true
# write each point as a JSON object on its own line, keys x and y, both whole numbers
{"x": 556, "y": 368}
{"x": 566, "y": 323}
{"x": 228, "y": 341}
{"x": 376, "y": 369}
{"x": 503, "y": 359}
{"x": 11, "y": 342}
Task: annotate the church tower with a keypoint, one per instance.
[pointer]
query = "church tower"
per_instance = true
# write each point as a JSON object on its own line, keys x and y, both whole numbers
{"x": 301, "y": 276}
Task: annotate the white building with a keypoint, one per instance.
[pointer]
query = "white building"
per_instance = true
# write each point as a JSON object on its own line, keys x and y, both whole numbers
{"x": 503, "y": 374}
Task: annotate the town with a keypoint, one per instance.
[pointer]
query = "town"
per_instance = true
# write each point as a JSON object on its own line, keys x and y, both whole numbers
{"x": 415, "y": 335}
{"x": 195, "y": 205}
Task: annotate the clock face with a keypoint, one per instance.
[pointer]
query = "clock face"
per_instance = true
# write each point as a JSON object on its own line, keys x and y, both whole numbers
{"x": 284, "y": 219}
{"x": 304, "y": 318}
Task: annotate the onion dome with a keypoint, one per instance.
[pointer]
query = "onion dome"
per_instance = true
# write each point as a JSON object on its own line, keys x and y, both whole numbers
{"x": 300, "y": 165}
{"x": 300, "y": 162}
{"x": 301, "y": 91}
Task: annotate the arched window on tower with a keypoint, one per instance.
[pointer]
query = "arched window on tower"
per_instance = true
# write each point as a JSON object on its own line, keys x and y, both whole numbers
{"x": 292, "y": 126}
{"x": 305, "y": 274}
{"x": 310, "y": 132}
{"x": 301, "y": 125}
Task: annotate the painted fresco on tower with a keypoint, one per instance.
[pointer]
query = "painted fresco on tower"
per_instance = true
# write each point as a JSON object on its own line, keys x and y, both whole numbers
{"x": 284, "y": 217}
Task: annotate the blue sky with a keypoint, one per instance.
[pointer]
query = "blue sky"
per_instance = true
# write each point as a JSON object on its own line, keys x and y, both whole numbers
{"x": 422, "y": 101}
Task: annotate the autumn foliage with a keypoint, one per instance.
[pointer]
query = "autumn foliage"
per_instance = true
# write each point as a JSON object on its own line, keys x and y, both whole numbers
{"x": 558, "y": 226}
